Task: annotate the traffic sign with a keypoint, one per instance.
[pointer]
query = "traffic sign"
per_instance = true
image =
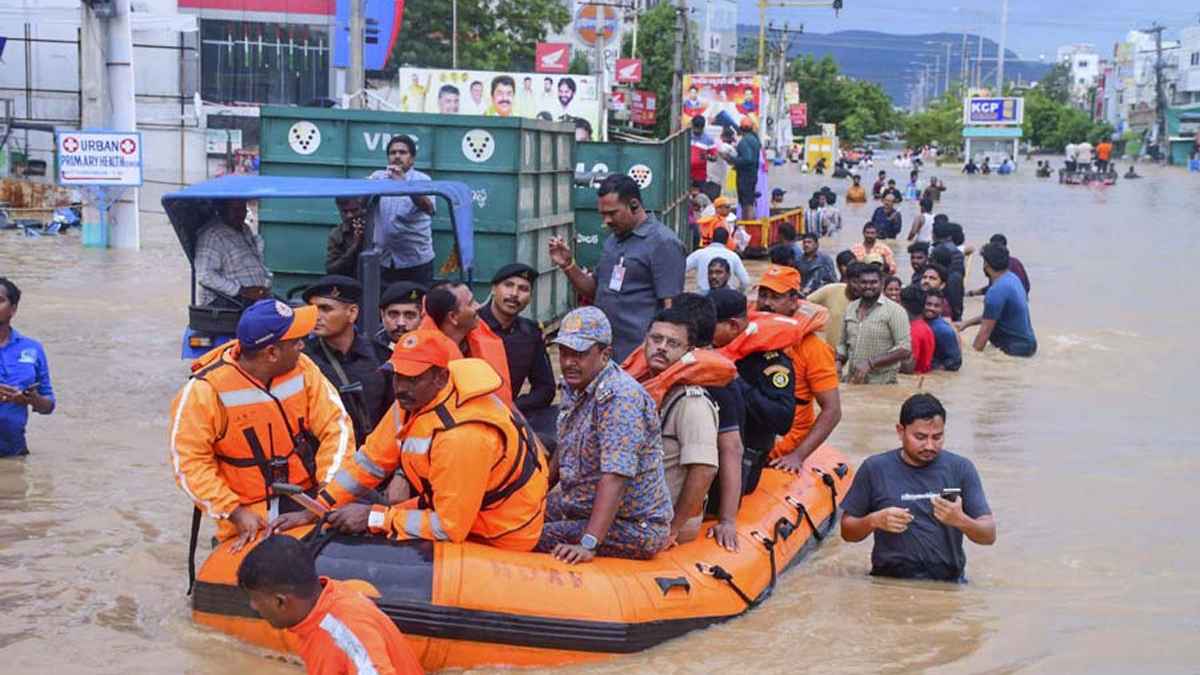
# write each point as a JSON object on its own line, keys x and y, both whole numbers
{"x": 106, "y": 158}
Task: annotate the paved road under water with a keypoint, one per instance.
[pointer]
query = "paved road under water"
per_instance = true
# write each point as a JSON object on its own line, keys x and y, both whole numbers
{"x": 1082, "y": 451}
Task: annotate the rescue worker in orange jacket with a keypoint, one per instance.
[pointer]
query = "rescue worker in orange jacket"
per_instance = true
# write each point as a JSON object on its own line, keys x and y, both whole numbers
{"x": 332, "y": 626}
{"x": 473, "y": 462}
{"x": 675, "y": 374}
{"x": 757, "y": 343}
{"x": 708, "y": 225}
{"x": 814, "y": 365}
{"x": 254, "y": 412}
{"x": 451, "y": 308}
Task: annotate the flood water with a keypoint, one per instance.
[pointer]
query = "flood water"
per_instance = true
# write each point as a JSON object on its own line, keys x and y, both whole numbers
{"x": 1083, "y": 451}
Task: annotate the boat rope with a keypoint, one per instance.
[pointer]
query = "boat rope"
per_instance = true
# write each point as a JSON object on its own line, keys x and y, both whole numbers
{"x": 717, "y": 572}
{"x": 319, "y": 536}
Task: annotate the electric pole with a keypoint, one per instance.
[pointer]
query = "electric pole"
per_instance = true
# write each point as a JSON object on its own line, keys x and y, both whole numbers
{"x": 677, "y": 78}
{"x": 355, "y": 81}
{"x": 1160, "y": 107}
{"x": 1003, "y": 43}
{"x": 835, "y": 5}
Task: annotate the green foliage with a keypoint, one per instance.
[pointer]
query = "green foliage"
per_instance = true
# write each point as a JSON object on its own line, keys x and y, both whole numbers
{"x": 858, "y": 107}
{"x": 1056, "y": 85}
{"x": 656, "y": 49}
{"x": 1051, "y": 124}
{"x": 493, "y": 34}
{"x": 579, "y": 64}
{"x": 940, "y": 123}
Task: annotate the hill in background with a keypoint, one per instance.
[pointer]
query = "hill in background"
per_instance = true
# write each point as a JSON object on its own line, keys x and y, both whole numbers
{"x": 884, "y": 57}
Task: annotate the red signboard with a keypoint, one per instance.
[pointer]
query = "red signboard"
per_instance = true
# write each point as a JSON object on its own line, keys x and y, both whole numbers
{"x": 617, "y": 100}
{"x": 799, "y": 114}
{"x": 324, "y": 7}
{"x": 552, "y": 57}
{"x": 629, "y": 71}
{"x": 643, "y": 107}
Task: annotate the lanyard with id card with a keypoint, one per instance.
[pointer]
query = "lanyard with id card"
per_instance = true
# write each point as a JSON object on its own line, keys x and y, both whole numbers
{"x": 618, "y": 276}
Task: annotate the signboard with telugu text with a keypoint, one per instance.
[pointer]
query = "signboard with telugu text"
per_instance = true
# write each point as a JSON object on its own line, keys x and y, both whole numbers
{"x": 979, "y": 110}
{"x": 112, "y": 158}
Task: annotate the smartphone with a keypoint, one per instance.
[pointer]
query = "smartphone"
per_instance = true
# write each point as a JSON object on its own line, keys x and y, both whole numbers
{"x": 951, "y": 494}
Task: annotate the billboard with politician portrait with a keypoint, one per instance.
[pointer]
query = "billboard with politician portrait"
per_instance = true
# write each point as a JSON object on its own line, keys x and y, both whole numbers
{"x": 482, "y": 92}
{"x": 723, "y": 99}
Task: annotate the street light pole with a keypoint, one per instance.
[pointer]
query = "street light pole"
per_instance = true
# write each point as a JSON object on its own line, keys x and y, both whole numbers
{"x": 454, "y": 34}
{"x": 1003, "y": 42}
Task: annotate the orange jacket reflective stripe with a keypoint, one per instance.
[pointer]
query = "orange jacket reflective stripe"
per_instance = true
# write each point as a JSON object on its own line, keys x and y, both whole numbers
{"x": 485, "y": 344}
{"x": 698, "y": 367}
{"x": 768, "y": 332}
{"x": 346, "y": 634}
{"x": 226, "y": 427}
{"x": 477, "y": 468}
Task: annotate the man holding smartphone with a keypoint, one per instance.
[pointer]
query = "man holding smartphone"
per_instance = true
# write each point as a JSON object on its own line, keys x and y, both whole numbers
{"x": 919, "y": 501}
{"x": 24, "y": 376}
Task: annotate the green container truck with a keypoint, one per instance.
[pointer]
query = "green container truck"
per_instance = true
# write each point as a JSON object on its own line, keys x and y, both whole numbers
{"x": 661, "y": 169}
{"x": 520, "y": 172}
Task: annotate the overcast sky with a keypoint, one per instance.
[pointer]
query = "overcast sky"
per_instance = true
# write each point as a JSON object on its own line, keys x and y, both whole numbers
{"x": 1035, "y": 27}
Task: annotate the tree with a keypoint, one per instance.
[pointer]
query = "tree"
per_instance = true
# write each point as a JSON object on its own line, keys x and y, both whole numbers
{"x": 858, "y": 107}
{"x": 939, "y": 124}
{"x": 579, "y": 64}
{"x": 493, "y": 34}
{"x": 656, "y": 49}
{"x": 1056, "y": 85}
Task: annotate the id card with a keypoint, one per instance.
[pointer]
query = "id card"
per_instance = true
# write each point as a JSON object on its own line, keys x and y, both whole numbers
{"x": 618, "y": 276}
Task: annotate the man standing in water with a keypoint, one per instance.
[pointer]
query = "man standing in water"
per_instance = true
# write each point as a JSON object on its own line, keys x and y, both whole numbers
{"x": 24, "y": 376}
{"x": 1005, "y": 319}
{"x": 918, "y": 500}
{"x": 876, "y": 337}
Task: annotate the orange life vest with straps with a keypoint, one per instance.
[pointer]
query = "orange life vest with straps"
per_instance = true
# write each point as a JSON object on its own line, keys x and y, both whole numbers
{"x": 511, "y": 508}
{"x": 699, "y": 367}
{"x": 485, "y": 344}
{"x": 769, "y": 332}
{"x": 266, "y": 438}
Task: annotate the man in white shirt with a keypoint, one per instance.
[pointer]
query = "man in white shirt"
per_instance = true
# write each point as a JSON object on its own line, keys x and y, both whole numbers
{"x": 719, "y": 248}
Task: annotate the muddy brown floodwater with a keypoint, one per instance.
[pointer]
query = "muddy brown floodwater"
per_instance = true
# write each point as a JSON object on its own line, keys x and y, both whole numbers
{"x": 1087, "y": 453}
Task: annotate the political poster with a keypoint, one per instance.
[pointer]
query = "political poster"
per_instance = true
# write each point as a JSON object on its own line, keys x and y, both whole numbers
{"x": 723, "y": 99}
{"x": 799, "y": 114}
{"x": 643, "y": 108}
{"x": 791, "y": 93}
{"x": 497, "y": 94}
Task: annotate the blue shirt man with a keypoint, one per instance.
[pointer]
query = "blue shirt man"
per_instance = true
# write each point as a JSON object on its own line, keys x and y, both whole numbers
{"x": 24, "y": 376}
{"x": 404, "y": 225}
{"x": 947, "y": 354}
{"x": 1005, "y": 321}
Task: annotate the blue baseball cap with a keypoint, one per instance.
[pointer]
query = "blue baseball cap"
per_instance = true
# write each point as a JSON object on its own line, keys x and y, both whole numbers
{"x": 268, "y": 322}
{"x": 583, "y": 328}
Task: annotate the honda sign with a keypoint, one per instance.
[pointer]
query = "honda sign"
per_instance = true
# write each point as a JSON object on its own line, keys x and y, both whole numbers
{"x": 552, "y": 57}
{"x": 629, "y": 71}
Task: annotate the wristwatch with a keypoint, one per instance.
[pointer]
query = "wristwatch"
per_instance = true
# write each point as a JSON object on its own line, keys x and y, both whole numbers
{"x": 377, "y": 520}
{"x": 588, "y": 542}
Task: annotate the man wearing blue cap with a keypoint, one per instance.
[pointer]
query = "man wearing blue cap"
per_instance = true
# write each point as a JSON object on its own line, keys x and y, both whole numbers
{"x": 611, "y": 496}
{"x": 346, "y": 358}
{"x": 256, "y": 411}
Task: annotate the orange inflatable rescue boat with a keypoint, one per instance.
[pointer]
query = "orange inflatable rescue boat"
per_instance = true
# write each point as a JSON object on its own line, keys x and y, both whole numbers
{"x": 469, "y": 605}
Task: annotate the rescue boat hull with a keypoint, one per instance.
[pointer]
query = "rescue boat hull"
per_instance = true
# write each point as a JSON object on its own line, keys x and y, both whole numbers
{"x": 469, "y": 605}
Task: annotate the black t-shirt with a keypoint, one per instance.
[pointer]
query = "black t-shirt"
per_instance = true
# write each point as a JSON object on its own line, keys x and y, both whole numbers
{"x": 927, "y": 549}
{"x": 731, "y": 409}
{"x": 368, "y": 393}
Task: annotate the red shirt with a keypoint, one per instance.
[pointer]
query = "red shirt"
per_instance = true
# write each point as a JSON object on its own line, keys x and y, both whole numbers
{"x": 922, "y": 345}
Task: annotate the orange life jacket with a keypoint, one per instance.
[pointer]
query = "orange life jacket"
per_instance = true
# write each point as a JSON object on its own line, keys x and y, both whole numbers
{"x": 265, "y": 437}
{"x": 708, "y": 226}
{"x": 769, "y": 332}
{"x": 699, "y": 367}
{"x": 511, "y": 509}
{"x": 485, "y": 344}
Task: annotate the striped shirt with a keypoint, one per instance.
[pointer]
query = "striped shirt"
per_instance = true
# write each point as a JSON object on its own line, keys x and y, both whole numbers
{"x": 227, "y": 260}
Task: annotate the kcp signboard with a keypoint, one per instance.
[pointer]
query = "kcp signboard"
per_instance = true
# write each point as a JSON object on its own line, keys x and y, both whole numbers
{"x": 996, "y": 111}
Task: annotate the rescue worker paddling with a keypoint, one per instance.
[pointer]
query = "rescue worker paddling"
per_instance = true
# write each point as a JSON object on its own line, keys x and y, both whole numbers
{"x": 256, "y": 411}
{"x": 475, "y": 466}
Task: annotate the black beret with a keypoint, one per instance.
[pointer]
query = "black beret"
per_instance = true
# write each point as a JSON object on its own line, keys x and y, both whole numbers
{"x": 515, "y": 270}
{"x": 729, "y": 303}
{"x": 402, "y": 292}
{"x": 336, "y": 287}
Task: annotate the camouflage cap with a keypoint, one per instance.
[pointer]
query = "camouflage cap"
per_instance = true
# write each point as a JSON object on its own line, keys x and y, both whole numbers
{"x": 584, "y": 327}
